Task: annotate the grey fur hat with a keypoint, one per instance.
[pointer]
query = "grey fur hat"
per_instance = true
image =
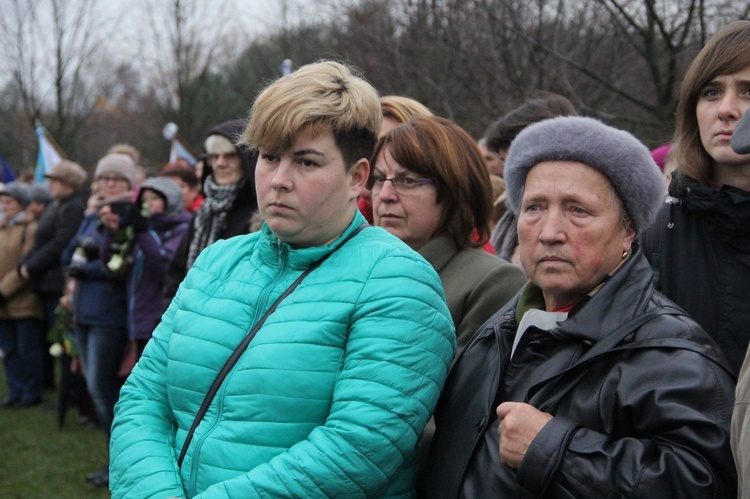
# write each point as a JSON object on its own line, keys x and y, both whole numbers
{"x": 40, "y": 194}
{"x": 166, "y": 188}
{"x": 19, "y": 191}
{"x": 616, "y": 154}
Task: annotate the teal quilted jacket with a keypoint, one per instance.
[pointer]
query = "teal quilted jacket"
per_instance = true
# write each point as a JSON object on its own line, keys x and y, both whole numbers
{"x": 331, "y": 396}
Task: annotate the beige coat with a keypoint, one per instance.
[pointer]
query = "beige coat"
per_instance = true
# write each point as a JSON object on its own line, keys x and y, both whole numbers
{"x": 16, "y": 240}
{"x": 741, "y": 429}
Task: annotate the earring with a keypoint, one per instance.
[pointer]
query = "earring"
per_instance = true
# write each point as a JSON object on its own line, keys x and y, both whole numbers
{"x": 624, "y": 254}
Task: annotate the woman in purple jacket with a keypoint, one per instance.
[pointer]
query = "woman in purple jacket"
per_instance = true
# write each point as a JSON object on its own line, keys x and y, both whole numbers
{"x": 152, "y": 237}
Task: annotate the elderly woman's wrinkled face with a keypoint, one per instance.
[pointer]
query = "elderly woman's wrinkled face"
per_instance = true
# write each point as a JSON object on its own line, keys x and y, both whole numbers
{"x": 409, "y": 210}
{"x": 570, "y": 230}
{"x": 305, "y": 194}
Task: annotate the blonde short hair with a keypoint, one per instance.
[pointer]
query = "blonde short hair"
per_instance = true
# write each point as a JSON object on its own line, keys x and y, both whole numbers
{"x": 316, "y": 98}
{"x": 402, "y": 109}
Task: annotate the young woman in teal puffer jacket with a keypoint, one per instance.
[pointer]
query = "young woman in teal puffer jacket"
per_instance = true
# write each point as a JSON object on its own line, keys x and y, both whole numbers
{"x": 331, "y": 396}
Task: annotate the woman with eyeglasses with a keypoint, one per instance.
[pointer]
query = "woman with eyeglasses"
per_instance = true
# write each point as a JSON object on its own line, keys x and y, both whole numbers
{"x": 430, "y": 188}
{"x": 99, "y": 305}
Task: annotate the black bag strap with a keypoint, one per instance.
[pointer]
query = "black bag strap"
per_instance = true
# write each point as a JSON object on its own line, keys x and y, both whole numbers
{"x": 549, "y": 393}
{"x": 232, "y": 360}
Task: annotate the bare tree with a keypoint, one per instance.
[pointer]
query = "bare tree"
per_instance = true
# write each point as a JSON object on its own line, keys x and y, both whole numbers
{"x": 470, "y": 60}
{"x": 194, "y": 61}
{"x": 187, "y": 41}
{"x": 621, "y": 60}
{"x": 50, "y": 48}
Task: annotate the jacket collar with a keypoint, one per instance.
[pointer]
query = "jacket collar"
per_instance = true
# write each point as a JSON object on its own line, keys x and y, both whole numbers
{"x": 727, "y": 207}
{"x": 439, "y": 251}
{"x": 274, "y": 252}
{"x": 619, "y": 299}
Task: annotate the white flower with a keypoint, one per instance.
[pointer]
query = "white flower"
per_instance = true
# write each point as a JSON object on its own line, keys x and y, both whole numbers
{"x": 115, "y": 263}
{"x": 56, "y": 350}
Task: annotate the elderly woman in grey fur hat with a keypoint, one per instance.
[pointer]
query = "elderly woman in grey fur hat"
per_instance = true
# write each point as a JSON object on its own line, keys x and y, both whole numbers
{"x": 588, "y": 381}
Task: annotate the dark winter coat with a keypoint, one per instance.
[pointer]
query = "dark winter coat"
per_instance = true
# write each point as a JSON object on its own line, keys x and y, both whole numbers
{"x": 99, "y": 297}
{"x": 238, "y": 218}
{"x": 56, "y": 228}
{"x": 650, "y": 417}
{"x": 699, "y": 248}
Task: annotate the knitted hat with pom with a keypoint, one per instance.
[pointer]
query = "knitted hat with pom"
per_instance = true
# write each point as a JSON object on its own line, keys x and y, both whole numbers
{"x": 117, "y": 164}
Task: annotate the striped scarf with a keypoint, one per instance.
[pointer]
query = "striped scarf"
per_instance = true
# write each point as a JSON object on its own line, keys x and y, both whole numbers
{"x": 211, "y": 217}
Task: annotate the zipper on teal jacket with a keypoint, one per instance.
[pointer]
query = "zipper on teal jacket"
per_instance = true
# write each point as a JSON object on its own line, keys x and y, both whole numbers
{"x": 219, "y": 400}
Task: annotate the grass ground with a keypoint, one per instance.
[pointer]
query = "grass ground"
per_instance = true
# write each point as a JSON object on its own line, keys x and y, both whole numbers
{"x": 39, "y": 461}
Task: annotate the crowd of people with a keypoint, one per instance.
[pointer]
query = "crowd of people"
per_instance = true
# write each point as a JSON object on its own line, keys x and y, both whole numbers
{"x": 351, "y": 296}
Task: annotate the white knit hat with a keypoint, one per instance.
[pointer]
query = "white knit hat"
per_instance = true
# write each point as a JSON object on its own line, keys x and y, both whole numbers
{"x": 117, "y": 164}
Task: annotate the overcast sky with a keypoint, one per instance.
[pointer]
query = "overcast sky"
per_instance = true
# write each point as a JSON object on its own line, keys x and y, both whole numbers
{"x": 124, "y": 29}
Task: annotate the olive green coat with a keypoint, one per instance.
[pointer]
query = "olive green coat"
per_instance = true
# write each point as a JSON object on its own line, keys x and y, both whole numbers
{"x": 476, "y": 283}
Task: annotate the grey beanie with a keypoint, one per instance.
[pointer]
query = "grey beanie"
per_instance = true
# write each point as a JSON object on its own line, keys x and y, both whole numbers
{"x": 117, "y": 164}
{"x": 19, "y": 191}
{"x": 166, "y": 188}
{"x": 40, "y": 194}
{"x": 616, "y": 154}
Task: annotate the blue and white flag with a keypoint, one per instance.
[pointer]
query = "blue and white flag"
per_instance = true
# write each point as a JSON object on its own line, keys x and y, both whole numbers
{"x": 180, "y": 149}
{"x": 49, "y": 154}
{"x": 6, "y": 173}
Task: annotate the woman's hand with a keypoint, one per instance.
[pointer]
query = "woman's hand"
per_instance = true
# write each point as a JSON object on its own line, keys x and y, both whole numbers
{"x": 519, "y": 425}
{"x": 109, "y": 219}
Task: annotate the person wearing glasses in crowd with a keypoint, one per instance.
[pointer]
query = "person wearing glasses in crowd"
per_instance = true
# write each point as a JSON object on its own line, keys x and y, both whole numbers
{"x": 99, "y": 301}
{"x": 332, "y": 393}
{"x": 396, "y": 109}
{"x": 431, "y": 189}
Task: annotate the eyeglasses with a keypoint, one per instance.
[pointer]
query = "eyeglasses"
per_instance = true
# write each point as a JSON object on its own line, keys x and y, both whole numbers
{"x": 105, "y": 179}
{"x": 400, "y": 184}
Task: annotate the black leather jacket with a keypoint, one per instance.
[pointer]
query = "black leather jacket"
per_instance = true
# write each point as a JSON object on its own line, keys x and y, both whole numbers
{"x": 650, "y": 417}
